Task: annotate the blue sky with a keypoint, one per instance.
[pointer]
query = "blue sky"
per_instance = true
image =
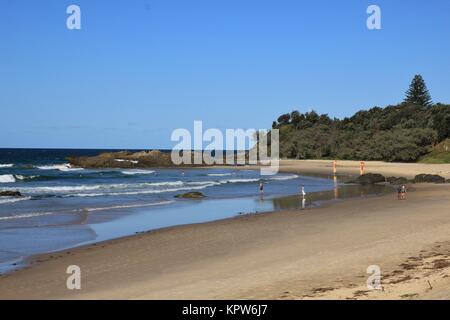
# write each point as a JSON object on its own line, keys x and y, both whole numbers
{"x": 139, "y": 69}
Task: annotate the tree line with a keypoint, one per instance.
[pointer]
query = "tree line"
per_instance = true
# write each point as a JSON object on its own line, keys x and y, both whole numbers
{"x": 403, "y": 132}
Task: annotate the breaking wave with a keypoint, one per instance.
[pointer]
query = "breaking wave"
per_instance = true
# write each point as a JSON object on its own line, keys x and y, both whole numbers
{"x": 137, "y": 171}
{"x": 289, "y": 177}
{"x": 7, "y": 178}
{"x": 119, "y": 189}
{"x": 23, "y": 178}
{"x": 12, "y": 200}
{"x": 61, "y": 167}
{"x": 40, "y": 214}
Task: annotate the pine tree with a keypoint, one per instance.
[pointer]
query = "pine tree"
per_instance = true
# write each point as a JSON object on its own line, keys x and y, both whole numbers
{"x": 418, "y": 92}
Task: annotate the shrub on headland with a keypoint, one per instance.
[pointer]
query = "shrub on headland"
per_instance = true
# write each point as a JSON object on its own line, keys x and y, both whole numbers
{"x": 404, "y": 132}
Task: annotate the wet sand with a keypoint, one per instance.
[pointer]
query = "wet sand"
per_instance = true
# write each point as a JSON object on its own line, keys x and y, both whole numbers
{"x": 317, "y": 253}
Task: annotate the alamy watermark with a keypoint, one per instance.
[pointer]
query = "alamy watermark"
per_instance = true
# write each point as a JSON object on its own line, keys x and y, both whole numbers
{"x": 73, "y": 21}
{"x": 374, "y": 280}
{"x": 374, "y": 20}
{"x": 74, "y": 280}
{"x": 234, "y": 147}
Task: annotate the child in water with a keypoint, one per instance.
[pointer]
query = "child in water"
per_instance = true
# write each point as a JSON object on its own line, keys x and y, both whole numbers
{"x": 399, "y": 193}
{"x": 403, "y": 192}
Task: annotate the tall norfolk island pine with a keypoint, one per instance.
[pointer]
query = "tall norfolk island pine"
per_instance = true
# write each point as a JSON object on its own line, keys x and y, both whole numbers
{"x": 418, "y": 92}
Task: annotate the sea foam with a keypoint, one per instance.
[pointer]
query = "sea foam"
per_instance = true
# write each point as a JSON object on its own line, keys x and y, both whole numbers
{"x": 127, "y": 206}
{"x": 288, "y": 177}
{"x": 26, "y": 215}
{"x": 40, "y": 214}
{"x": 12, "y": 200}
{"x": 7, "y": 178}
{"x": 60, "y": 167}
{"x": 137, "y": 171}
{"x": 125, "y": 160}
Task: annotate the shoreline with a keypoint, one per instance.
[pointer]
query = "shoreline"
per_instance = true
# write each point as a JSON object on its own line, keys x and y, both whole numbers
{"x": 316, "y": 200}
{"x": 39, "y": 263}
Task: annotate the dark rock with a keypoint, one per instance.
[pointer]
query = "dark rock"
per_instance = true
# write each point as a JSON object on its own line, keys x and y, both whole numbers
{"x": 141, "y": 159}
{"x": 397, "y": 181}
{"x": 191, "y": 195}
{"x": 10, "y": 194}
{"x": 370, "y": 178}
{"x": 429, "y": 178}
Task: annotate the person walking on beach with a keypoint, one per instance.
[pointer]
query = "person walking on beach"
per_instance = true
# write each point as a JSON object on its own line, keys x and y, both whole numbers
{"x": 403, "y": 192}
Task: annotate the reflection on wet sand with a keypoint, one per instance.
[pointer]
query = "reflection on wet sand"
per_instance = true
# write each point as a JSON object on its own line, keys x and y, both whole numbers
{"x": 336, "y": 187}
{"x": 338, "y": 193}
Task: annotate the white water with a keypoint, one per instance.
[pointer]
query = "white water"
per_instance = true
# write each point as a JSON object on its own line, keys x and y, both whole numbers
{"x": 7, "y": 178}
{"x": 137, "y": 171}
{"x": 124, "y": 160}
{"x": 137, "y": 192}
{"x": 130, "y": 206}
{"x": 40, "y": 214}
{"x": 21, "y": 177}
{"x": 12, "y": 200}
{"x": 131, "y": 188}
{"x": 60, "y": 167}
{"x": 289, "y": 177}
{"x": 26, "y": 215}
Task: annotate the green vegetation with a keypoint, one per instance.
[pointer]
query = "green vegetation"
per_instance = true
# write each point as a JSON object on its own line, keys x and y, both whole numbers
{"x": 405, "y": 132}
{"x": 439, "y": 154}
{"x": 418, "y": 92}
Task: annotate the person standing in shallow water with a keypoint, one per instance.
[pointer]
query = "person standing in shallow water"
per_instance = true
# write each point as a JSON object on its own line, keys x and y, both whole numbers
{"x": 302, "y": 191}
{"x": 261, "y": 187}
{"x": 403, "y": 192}
{"x": 399, "y": 193}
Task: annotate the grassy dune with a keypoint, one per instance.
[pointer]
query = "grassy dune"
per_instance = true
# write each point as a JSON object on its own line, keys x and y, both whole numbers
{"x": 440, "y": 154}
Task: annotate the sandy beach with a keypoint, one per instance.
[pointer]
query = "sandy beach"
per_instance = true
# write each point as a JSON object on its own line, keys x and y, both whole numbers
{"x": 320, "y": 253}
{"x": 348, "y": 167}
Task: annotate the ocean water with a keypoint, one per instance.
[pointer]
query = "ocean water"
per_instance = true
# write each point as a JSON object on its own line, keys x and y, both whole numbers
{"x": 63, "y": 207}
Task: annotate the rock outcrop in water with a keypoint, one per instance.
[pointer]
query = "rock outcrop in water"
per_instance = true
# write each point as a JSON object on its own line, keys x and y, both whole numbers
{"x": 126, "y": 159}
{"x": 10, "y": 194}
{"x": 370, "y": 178}
{"x": 191, "y": 195}
{"x": 123, "y": 159}
{"x": 429, "y": 178}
